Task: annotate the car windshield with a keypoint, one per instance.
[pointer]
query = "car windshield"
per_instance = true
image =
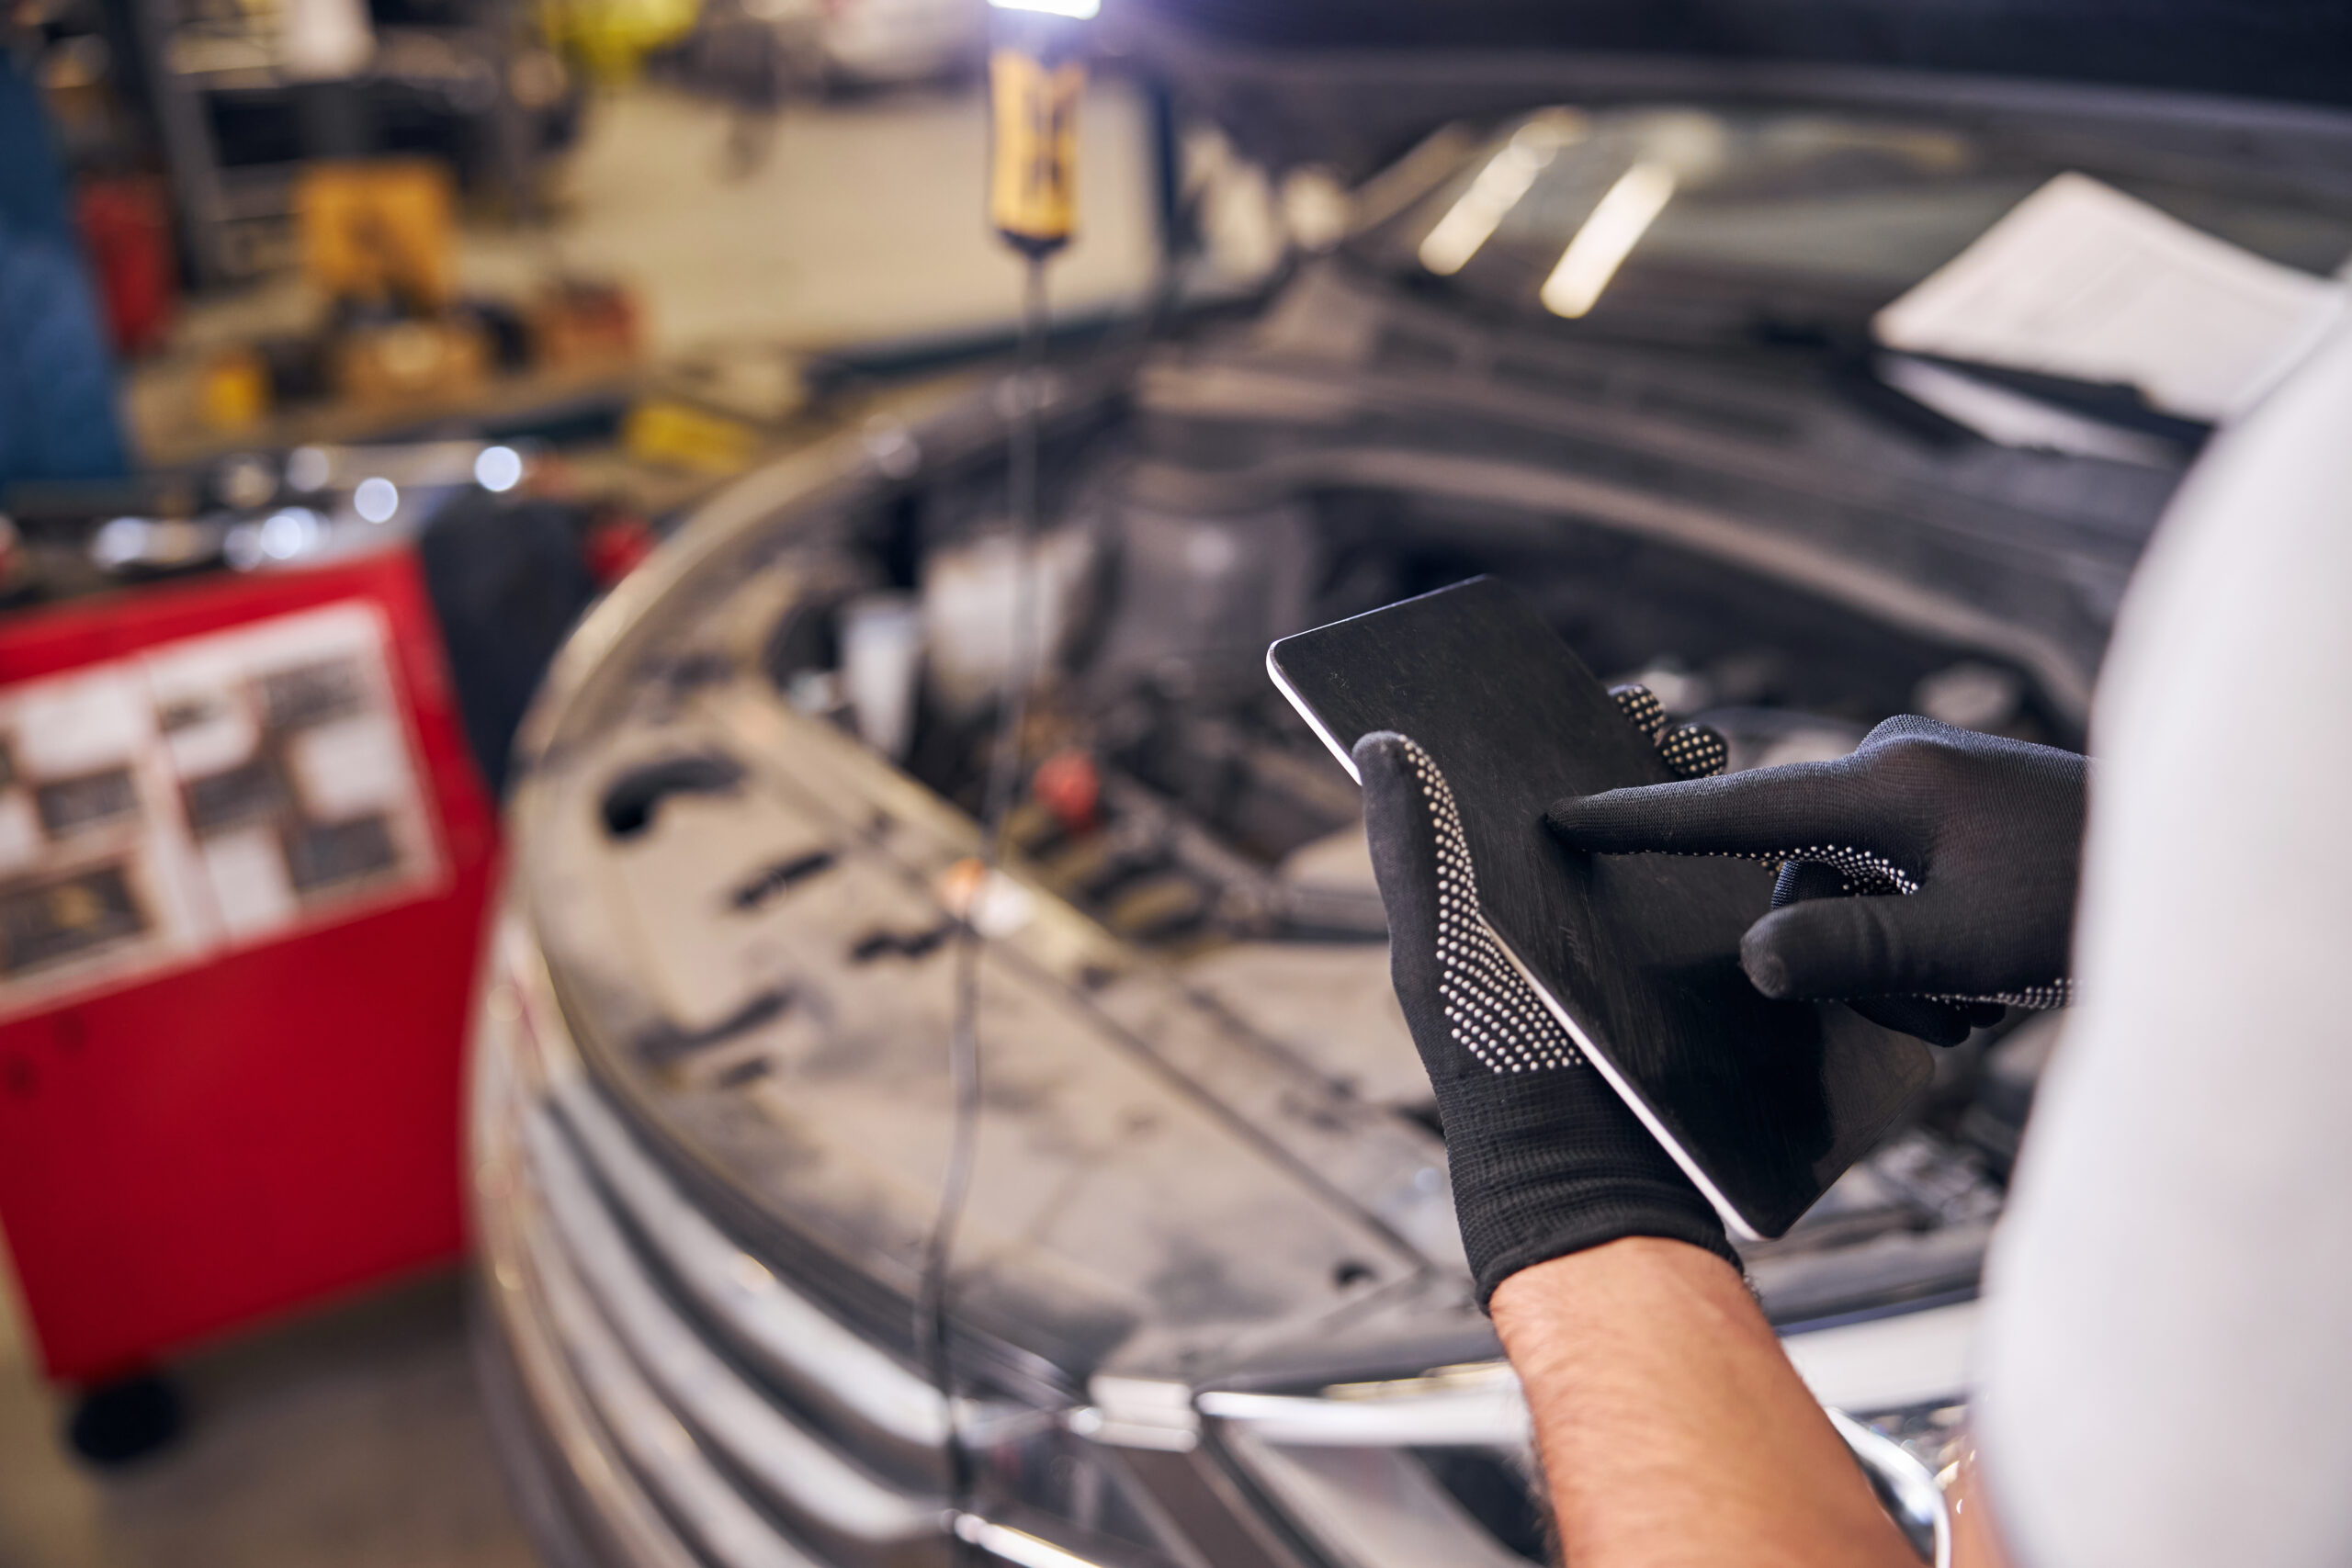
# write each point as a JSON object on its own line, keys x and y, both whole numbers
{"x": 1687, "y": 222}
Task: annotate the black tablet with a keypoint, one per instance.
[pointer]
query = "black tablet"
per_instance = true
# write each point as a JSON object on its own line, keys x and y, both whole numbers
{"x": 1763, "y": 1103}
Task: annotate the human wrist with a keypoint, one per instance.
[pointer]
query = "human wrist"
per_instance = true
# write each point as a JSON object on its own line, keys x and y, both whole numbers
{"x": 1528, "y": 1301}
{"x": 1584, "y": 1232}
{"x": 1561, "y": 1166}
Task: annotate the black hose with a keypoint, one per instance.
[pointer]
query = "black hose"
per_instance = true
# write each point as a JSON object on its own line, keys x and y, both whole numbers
{"x": 933, "y": 1301}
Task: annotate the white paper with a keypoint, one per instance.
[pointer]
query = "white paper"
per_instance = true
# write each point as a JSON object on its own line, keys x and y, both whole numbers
{"x": 351, "y": 767}
{"x": 81, "y": 723}
{"x": 21, "y": 842}
{"x": 224, "y": 737}
{"x": 2082, "y": 281}
{"x": 247, "y": 871}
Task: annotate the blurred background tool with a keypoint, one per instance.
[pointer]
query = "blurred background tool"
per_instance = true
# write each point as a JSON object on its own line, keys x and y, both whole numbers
{"x": 1034, "y": 81}
{"x": 244, "y": 856}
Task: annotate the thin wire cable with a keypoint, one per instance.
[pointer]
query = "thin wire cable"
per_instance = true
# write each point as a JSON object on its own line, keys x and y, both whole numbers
{"x": 1027, "y": 389}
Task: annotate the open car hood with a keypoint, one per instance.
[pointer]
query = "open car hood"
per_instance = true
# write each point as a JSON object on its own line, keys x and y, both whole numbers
{"x": 1352, "y": 83}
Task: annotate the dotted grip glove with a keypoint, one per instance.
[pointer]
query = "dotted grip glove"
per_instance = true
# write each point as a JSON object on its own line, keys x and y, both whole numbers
{"x": 1926, "y": 880}
{"x": 1545, "y": 1158}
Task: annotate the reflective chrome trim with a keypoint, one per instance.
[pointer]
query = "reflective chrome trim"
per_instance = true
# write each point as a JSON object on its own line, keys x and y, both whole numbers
{"x": 1484, "y": 1407}
{"x": 1019, "y": 1547}
{"x": 1090, "y": 1423}
{"x": 1913, "y": 1488}
{"x": 622, "y": 1511}
{"x": 1371, "y": 1508}
{"x": 1139, "y": 1413}
{"x": 1885, "y": 1363}
{"x": 801, "y": 1346}
{"x": 1478, "y": 1410}
{"x": 622, "y": 1445}
{"x": 656, "y": 1444}
{"x": 806, "y": 1474}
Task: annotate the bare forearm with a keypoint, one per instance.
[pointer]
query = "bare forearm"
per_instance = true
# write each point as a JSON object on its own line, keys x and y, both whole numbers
{"x": 1672, "y": 1428}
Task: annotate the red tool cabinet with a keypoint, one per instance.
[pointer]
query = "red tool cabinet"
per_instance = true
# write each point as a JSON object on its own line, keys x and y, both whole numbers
{"x": 244, "y": 860}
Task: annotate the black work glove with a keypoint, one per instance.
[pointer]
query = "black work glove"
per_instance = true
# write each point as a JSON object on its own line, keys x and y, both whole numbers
{"x": 1545, "y": 1158}
{"x": 1926, "y": 880}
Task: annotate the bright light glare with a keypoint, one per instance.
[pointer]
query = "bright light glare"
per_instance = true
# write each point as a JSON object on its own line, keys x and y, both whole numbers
{"x": 309, "y": 468}
{"x": 285, "y": 535}
{"x": 1016, "y": 1547}
{"x": 376, "y": 500}
{"x": 498, "y": 469}
{"x": 1618, "y": 221}
{"x": 1475, "y": 216}
{"x": 1082, "y": 10}
{"x": 121, "y": 541}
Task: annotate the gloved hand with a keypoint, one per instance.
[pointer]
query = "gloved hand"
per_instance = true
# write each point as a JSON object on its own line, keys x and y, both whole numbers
{"x": 1545, "y": 1158}
{"x": 1926, "y": 880}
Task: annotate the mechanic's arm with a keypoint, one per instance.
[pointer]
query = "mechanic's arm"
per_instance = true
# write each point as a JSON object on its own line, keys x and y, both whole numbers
{"x": 1924, "y": 879}
{"x": 1673, "y": 1429}
{"x": 1929, "y": 879}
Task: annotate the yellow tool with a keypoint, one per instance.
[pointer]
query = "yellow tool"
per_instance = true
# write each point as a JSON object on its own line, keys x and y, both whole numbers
{"x": 1035, "y": 82}
{"x": 379, "y": 231}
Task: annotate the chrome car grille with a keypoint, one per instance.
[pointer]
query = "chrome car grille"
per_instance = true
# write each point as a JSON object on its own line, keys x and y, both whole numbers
{"x": 636, "y": 1326}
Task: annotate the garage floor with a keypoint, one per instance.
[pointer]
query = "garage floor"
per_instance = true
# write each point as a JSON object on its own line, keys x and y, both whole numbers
{"x": 356, "y": 1438}
{"x": 353, "y": 1438}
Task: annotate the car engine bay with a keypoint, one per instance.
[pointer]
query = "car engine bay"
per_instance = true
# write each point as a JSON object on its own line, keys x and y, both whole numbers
{"x": 1172, "y": 798}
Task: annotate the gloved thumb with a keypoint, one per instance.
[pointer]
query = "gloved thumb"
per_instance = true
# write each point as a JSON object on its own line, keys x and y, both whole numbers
{"x": 1831, "y": 948}
{"x": 1399, "y": 818}
{"x": 1936, "y": 1021}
